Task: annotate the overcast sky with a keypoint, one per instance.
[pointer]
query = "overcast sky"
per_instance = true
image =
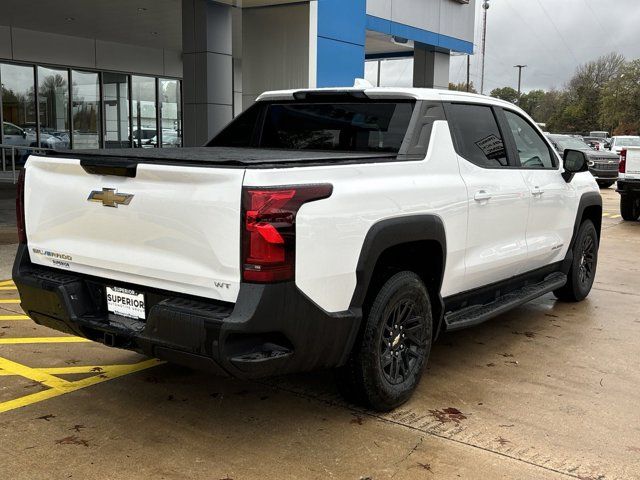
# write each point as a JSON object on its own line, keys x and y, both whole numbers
{"x": 552, "y": 37}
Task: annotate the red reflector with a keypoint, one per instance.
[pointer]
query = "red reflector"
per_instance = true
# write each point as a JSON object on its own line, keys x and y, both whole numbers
{"x": 268, "y": 234}
{"x": 622, "y": 167}
{"x": 22, "y": 234}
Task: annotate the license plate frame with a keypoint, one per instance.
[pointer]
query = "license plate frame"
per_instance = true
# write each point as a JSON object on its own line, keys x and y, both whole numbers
{"x": 126, "y": 302}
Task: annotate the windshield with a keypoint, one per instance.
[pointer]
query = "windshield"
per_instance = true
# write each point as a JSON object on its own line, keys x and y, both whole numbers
{"x": 628, "y": 142}
{"x": 570, "y": 143}
{"x": 371, "y": 126}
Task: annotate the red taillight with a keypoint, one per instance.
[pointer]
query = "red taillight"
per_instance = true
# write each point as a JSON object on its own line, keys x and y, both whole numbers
{"x": 22, "y": 234}
{"x": 622, "y": 167}
{"x": 268, "y": 230}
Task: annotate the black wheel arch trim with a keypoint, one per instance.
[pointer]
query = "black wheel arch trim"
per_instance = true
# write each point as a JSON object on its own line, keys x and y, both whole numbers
{"x": 587, "y": 200}
{"x": 393, "y": 232}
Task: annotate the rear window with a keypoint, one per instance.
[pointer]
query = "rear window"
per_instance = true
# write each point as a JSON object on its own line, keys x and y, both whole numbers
{"x": 358, "y": 126}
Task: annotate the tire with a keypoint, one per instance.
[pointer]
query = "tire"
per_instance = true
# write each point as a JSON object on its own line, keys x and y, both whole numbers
{"x": 392, "y": 350}
{"x": 606, "y": 184}
{"x": 583, "y": 267}
{"x": 629, "y": 207}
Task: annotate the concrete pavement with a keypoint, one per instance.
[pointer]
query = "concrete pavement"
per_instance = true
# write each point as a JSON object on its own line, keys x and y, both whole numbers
{"x": 549, "y": 390}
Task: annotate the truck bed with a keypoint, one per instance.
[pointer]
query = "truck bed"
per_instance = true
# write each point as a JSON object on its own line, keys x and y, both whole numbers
{"x": 228, "y": 157}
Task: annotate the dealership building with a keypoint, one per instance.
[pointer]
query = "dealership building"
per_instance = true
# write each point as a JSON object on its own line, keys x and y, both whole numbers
{"x": 166, "y": 73}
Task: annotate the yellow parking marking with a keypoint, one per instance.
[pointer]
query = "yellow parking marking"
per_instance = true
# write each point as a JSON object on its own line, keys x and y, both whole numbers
{"x": 9, "y": 300}
{"x": 605, "y": 214}
{"x": 108, "y": 373}
{"x": 616, "y": 216}
{"x": 27, "y": 340}
{"x": 7, "y": 288}
{"x": 63, "y": 370}
{"x": 14, "y": 317}
{"x": 5, "y": 283}
{"x": 33, "y": 374}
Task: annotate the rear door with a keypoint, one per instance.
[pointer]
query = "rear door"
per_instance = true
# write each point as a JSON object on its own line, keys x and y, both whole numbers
{"x": 553, "y": 201}
{"x": 498, "y": 197}
{"x": 171, "y": 227}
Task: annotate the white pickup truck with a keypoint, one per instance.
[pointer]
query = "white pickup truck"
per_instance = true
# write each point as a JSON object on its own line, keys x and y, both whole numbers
{"x": 320, "y": 229}
{"x": 629, "y": 183}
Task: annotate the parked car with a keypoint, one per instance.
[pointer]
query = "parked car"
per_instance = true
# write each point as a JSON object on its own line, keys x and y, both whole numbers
{"x": 170, "y": 138}
{"x": 621, "y": 142}
{"x": 629, "y": 183}
{"x": 600, "y": 134}
{"x": 603, "y": 165}
{"x": 142, "y": 138}
{"x": 338, "y": 228}
{"x": 597, "y": 143}
{"x": 16, "y": 136}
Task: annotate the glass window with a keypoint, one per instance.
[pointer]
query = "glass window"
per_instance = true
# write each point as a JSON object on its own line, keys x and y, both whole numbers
{"x": 18, "y": 105}
{"x": 365, "y": 127}
{"x": 85, "y": 96}
{"x": 116, "y": 110}
{"x": 533, "y": 151}
{"x": 170, "y": 113}
{"x": 370, "y": 127}
{"x": 143, "y": 96}
{"x": 53, "y": 100}
{"x": 476, "y": 134}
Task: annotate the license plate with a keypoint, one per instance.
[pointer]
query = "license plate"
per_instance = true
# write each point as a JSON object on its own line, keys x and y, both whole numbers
{"x": 125, "y": 302}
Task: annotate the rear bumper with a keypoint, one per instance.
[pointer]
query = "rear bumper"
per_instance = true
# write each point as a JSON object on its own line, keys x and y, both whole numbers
{"x": 271, "y": 329}
{"x": 628, "y": 186}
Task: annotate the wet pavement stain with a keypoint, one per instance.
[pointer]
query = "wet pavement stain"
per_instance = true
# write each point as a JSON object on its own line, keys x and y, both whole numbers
{"x": 47, "y": 417}
{"x": 357, "y": 420}
{"x": 72, "y": 440}
{"x": 448, "y": 415}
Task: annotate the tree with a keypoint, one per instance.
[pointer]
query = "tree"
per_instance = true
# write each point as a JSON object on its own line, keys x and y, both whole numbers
{"x": 462, "y": 87}
{"x": 505, "y": 93}
{"x": 620, "y": 101}
{"x": 531, "y": 102}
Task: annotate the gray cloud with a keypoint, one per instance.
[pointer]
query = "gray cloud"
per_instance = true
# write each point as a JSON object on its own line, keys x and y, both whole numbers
{"x": 552, "y": 37}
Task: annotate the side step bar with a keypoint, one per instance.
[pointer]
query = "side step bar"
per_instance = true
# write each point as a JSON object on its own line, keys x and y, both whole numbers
{"x": 475, "y": 314}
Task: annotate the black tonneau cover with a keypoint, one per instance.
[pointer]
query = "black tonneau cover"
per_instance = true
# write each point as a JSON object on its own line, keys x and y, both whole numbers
{"x": 222, "y": 157}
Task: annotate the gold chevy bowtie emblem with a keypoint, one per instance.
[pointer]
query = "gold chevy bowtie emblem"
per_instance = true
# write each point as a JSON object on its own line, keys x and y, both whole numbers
{"x": 110, "y": 197}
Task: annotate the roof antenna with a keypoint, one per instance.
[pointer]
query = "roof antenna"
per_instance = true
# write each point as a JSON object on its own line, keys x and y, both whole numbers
{"x": 362, "y": 83}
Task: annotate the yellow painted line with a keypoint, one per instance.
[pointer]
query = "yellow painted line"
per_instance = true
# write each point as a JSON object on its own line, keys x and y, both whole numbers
{"x": 9, "y": 300}
{"x": 26, "y": 340}
{"x": 606, "y": 214}
{"x": 14, "y": 317}
{"x": 7, "y": 288}
{"x": 5, "y": 283}
{"x": 616, "y": 216}
{"x": 96, "y": 369}
{"x": 109, "y": 374}
{"x": 33, "y": 374}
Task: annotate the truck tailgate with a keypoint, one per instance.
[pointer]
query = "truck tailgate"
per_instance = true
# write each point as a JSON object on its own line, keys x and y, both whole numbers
{"x": 179, "y": 230}
{"x": 633, "y": 162}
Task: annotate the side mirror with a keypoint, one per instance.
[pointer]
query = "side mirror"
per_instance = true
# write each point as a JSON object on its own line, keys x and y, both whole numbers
{"x": 24, "y": 134}
{"x": 575, "y": 161}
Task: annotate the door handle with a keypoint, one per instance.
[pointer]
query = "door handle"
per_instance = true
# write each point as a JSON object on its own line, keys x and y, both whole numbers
{"x": 537, "y": 191}
{"x": 482, "y": 196}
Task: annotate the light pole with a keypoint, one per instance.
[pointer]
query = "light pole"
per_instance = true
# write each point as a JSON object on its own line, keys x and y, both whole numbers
{"x": 485, "y": 7}
{"x": 519, "y": 67}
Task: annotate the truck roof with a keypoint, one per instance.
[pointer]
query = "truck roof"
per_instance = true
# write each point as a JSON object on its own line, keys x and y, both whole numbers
{"x": 432, "y": 94}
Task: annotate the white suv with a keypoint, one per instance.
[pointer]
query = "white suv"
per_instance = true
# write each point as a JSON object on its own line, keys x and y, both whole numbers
{"x": 320, "y": 229}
